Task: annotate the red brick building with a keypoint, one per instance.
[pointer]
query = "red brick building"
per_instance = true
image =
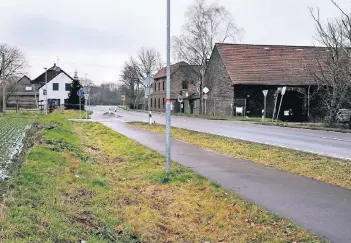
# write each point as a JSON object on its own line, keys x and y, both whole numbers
{"x": 184, "y": 81}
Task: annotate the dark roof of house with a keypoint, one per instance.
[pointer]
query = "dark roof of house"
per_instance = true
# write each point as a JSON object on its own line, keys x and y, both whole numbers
{"x": 24, "y": 80}
{"x": 52, "y": 72}
{"x": 174, "y": 68}
{"x": 268, "y": 64}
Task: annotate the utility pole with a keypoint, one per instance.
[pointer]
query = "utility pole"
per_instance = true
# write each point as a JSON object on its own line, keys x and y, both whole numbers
{"x": 3, "y": 84}
{"x": 168, "y": 92}
{"x": 46, "y": 91}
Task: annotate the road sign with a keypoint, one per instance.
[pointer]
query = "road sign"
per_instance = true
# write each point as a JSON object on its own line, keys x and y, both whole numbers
{"x": 80, "y": 93}
{"x": 180, "y": 99}
{"x": 86, "y": 96}
{"x": 205, "y": 96}
{"x": 149, "y": 91}
{"x": 205, "y": 90}
{"x": 265, "y": 92}
{"x": 86, "y": 90}
{"x": 148, "y": 81}
{"x": 123, "y": 97}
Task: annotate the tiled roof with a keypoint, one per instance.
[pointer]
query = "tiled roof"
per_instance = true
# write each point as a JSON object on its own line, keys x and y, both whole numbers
{"x": 269, "y": 65}
{"x": 174, "y": 68}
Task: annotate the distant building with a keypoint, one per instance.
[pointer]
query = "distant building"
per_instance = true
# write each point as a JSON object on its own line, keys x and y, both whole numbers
{"x": 237, "y": 74}
{"x": 24, "y": 94}
{"x": 184, "y": 82}
{"x": 58, "y": 86}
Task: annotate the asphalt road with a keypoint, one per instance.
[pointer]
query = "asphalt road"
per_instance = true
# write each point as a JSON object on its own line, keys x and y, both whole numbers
{"x": 319, "y": 207}
{"x": 332, "y": 144}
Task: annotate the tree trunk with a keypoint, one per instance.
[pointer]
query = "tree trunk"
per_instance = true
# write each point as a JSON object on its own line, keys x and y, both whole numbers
{"x": 333, "y": 110}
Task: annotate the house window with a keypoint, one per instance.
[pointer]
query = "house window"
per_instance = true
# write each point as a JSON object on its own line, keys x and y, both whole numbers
{"x": 159, "y": 85}
{"x": 55, "y": 86}
{"x": 28, "y": 88}
{"x": 155, "y": 88}
{"x": 151, "y": 103}
{"x": 185, "y": 85}
{"x": 68, "y": 87}
{"x": 155, "y": 103}
{"x": 159, "y": 103}
{"x": 163, "y": 102}
{"x": 163, "y": 85}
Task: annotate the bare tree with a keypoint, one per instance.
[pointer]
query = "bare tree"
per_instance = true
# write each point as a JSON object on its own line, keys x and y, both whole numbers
{"x": 205, "y": 25}
{"x": 149, "y": 62}
{"x": 130, "y": 78}
{"x": 12, "y": 62}
{"x": 331, "y": 68}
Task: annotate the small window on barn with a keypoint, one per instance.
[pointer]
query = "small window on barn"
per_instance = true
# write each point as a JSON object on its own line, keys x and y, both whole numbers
{"x": 28, "y": 88}
{"x": 68, "y": 87}
{"x": 55, "y": 86}
{"x": 185, "y": 84}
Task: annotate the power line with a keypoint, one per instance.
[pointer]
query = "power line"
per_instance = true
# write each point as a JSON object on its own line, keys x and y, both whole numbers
{"x": 80, "y": 64}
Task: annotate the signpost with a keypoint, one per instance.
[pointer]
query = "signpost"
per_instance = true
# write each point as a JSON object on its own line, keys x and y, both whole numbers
{"x": 205, "y": 90}
{"x": 265, "y": 93}
{"x": 86, "y": 97}
{"x": 148, "y": 92}
{"x": 123, "y": 98}
{"x": 283, "y": 90}
{"x": 80, "y": 94}
{"x": 180, "y": 100}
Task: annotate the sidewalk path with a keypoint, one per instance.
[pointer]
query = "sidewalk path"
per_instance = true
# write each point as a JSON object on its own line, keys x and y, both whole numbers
{"x": 319, "y": 207}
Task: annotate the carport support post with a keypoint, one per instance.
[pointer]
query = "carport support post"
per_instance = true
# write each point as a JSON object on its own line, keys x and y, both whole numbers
{"x": 280, "y": 105}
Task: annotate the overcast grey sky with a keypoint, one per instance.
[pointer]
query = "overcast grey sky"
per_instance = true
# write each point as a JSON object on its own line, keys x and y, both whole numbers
{"x": 97, "y": 36}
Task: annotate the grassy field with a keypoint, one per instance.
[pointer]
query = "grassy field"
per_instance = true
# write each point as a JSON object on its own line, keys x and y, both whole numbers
{"x": 330, "y": 170}
{"x": 82, "y": 181}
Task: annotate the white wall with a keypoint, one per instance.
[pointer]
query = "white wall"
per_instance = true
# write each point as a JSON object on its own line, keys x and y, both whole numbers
{"x": 61, "y": 94}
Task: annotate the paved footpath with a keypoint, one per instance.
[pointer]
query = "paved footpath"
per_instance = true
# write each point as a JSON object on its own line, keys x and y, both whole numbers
{"x": 319, "y": 207}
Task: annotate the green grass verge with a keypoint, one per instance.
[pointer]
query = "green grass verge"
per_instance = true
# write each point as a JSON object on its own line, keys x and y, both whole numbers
{"x": 124, "y": 107}
{"x": 311, "y": 126}
{"x": 330, "y": 170}
{"x": 83, "y": 181}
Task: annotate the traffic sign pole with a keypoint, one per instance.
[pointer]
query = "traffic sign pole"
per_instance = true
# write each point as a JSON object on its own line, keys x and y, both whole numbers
{"x": 80, "y": 107}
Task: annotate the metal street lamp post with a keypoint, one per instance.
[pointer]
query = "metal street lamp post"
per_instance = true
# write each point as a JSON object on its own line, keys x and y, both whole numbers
{"x": 168, "y": 93}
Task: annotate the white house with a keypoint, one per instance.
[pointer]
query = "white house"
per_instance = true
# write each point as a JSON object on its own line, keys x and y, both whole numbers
{"x": 57, "y": 89}
{"x": 58, "y": 86}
